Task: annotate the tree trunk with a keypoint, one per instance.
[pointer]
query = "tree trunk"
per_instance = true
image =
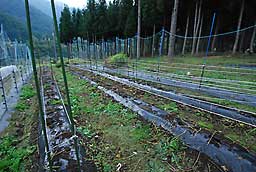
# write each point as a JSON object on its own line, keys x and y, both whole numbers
{"x": 241, "y": 45}
{"x": 200, "y": 33}
{"x": 139, "y": 28}
{"x": 186, "y": 34}
{"x": 144, "y": 47}
{"x": 153, "y": 41}
{"x": 252, "y": 39}
{"x": 173, "y": 29}
{"x": 238, "y": 28}
{"x": 196, "y": 24}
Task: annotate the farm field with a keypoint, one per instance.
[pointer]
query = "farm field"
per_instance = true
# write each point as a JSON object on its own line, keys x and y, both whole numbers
{"x": 127, "y": 86}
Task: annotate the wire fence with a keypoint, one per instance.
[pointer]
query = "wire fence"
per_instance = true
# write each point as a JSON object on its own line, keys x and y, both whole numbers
{"x": 15, "y": 68}
{"x": 158, "y": 43}
{"x": 237, "y": 78}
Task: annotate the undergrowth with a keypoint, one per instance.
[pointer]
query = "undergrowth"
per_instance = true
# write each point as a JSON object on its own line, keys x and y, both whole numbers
{"x": 15, "y": 146}
{"x": 11, "y": 155}
{"x": 116, "y": 138}
{"x": 117, "y": 60}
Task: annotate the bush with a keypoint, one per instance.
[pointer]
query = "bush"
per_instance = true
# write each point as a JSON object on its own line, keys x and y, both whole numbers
{"x": 117, "y": 60}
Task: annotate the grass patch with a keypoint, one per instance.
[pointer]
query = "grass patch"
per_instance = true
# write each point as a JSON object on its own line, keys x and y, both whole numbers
{"x": 21, "y": 106}
{"x": 12, "y": 156}
{"x": 117, "y": 60}
{"x": 141, "y": 132}
{"x": 55, "y": 102}
{"x": 206, "y": 125}
{"x": 170, "y": 107}
{"x": 114, "y": 135}
{"x": 18, "y": 141}
{"x": 27, "y": 92}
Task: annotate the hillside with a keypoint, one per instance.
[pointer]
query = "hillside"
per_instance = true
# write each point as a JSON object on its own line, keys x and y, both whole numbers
{"x": 14, "y": 27}
{"x": 14, "y": 11}
{"x": 45, "y": 7}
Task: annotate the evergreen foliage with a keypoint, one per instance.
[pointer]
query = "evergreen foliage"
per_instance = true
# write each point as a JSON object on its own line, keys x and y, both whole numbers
{"x": 118, "y": 18}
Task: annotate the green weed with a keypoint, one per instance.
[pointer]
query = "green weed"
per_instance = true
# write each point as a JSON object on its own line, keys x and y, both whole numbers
{"x": 141, "y": 132}
{"x": 154, "y": 166}
{"x": 27, "y": 92}
{"x": 11, "y": 156}
{"x": 85, "y": 131}
{"x": 21, "y": 106}
{"x": 55, "y": 102}
{"x": 206, "y": 125}
{"x": 171, "y": 107}
{"x": 171, "y": 148}
{"x": 117, "y": 60}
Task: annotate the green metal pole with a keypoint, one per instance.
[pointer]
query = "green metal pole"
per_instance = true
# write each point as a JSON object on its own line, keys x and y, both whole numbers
{"x": 49, "y": 54}
{"x": 65, "y": 81}
{"x": 37, "y": 84}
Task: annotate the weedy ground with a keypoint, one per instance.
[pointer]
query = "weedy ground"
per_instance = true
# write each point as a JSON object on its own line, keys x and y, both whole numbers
{"x": 225, "y": 128}
{"x": 18, "y": 142}
{"x": 116, "y": 139}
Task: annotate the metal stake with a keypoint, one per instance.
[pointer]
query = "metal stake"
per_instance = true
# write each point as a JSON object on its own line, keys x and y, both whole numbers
{"x": 65, "y": 81}
{"x": 37, "y": 84}
{"x": 207, "y": 50}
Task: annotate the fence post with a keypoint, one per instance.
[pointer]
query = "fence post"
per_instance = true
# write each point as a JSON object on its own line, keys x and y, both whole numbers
{"x": 21, "y": 74}
{"x": 116, "y": 46}
{"x": 207, "y": 49}
{"x": 3, "y": 92}
{"x": 15, "y": 81}
{"x": 161, "y": 43}
{"x": 153, "y": 41}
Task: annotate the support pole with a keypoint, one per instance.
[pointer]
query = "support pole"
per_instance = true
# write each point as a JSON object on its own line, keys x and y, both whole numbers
{"x": 15, "y": 81}
{"x": 138, "y": 28}
{"x": 37, "y": 84}
{"x": 3, "y": 92}
{"x": 207, "y": 49}
{"x": 65, "y": 82}
{"x": 21, "y": 74}
{"x": 161, "y": 43}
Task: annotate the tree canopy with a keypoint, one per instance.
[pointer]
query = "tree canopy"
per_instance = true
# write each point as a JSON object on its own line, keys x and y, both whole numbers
{"x": 119, "y": 17}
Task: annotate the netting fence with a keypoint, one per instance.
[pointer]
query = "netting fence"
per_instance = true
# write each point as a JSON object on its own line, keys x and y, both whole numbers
{"x": 238, "y": 78}
{"x": 15, "y": 68}
{"x": 158, "y": 44}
